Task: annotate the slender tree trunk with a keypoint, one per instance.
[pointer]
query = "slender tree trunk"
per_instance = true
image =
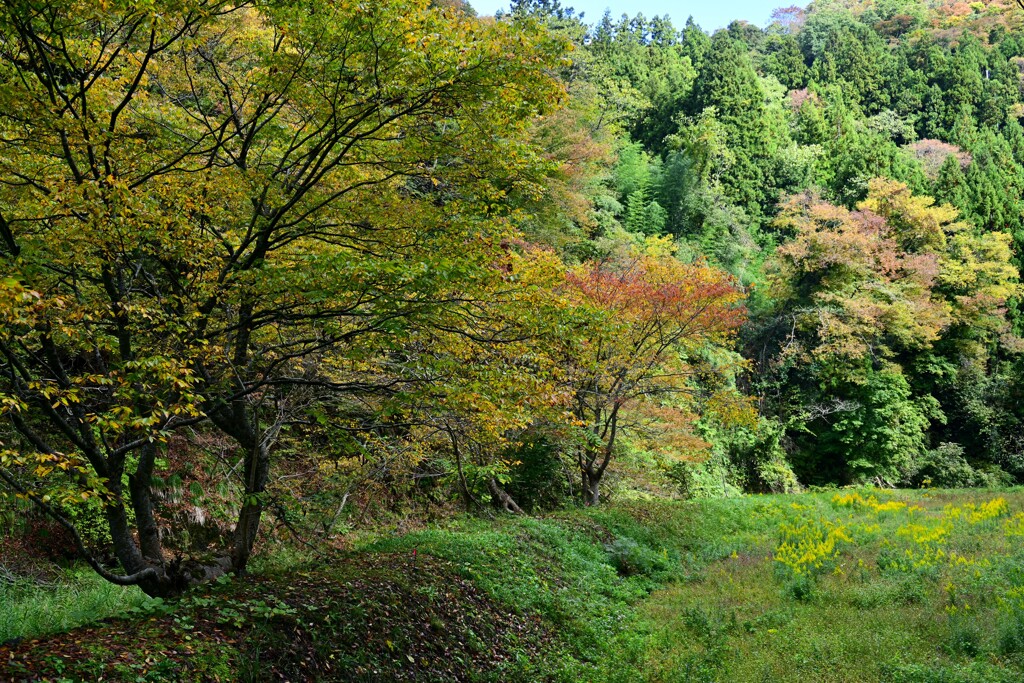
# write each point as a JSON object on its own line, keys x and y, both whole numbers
{"x": 467, "y": 495}
{"x": 596, "y": 462}
{"x": 591, "y": 485}
{"x": 140, "y": 488}
{"x": 125, "y": 547}
{"x": 256, "y": 473}
{"x": 233, "y": 421}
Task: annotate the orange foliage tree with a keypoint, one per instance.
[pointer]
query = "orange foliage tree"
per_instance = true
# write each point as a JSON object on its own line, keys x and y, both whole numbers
{"x": 650, "y": 321}
{"x": 865, "y": 300}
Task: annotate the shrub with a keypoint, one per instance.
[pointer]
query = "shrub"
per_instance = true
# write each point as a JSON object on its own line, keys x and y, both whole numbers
{"x": 945, "y": 467}
{"x": 709, "y": 479}
{"x": 537, "y": 480}
{"x": 772, "y": 472}
{"x": 631, "y": 559}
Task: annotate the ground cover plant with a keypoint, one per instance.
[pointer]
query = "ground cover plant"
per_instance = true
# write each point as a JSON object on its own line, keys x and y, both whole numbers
{"x": 849, "y": 585}
{"x": 36, "y": 607}
{"x": 841, "y": 585}
{"x": 514, "y": 599}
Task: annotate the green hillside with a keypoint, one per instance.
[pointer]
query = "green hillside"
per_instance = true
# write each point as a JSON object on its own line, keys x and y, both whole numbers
{"x": 379, "y": 340}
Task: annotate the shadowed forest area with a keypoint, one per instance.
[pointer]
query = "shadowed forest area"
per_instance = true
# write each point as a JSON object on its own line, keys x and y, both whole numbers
{"x": 385, "y": 341}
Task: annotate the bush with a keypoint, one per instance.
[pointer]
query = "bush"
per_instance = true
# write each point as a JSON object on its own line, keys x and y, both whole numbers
{"x": 537, "y": 481}
{"x": 709, "y": 479}
{"x": 946, "y": 467}
{"x": 759, "y": 452}
{"x": 631, "y": 559}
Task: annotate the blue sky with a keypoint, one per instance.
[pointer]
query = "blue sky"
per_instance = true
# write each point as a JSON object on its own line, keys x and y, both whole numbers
{"x": 710, "y": 15}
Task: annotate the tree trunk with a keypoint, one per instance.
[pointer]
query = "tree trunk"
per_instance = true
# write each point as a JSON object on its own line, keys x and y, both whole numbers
{"x": 233, "y": 421}
{"x": 591, "y": 485}
{"x": 140, "y": 488}
{"x": 170, "y": 578}
{"x": 502, "y": 499}
{"x": 164, "y": 579}
{"x": 467, "y": 495}
{"x": 594, "y": 459}
{"x": 256, "y": 473}
{"x": 125, "y": 547}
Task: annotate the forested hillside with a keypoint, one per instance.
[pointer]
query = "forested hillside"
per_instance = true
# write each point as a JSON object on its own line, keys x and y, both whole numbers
{"x": 383, "y": 341}
{"x": 283, "y": 271}
{"x": 856, "y": 167}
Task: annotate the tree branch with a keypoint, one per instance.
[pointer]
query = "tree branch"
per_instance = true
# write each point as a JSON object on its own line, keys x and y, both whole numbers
{"x": 116, "y": 579}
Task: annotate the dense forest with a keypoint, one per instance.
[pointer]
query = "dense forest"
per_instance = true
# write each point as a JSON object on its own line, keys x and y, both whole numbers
{"x": 320, "y": 261}
{"x": 856, "y": 169}
{"x": 492, "y": 348}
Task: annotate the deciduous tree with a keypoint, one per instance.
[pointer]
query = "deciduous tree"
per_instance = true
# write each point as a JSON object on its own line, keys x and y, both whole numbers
{"x": 201, "y": 201}
{"x": 652, "y": 317}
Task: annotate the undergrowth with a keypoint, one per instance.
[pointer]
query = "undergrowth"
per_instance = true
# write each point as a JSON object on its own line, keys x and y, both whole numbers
{"x": 852, "y": 586}
{"x": 865, "y": 585}
{"x": 32, "y": 608}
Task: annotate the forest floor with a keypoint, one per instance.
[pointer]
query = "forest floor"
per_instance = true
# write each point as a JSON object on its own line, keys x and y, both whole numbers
{"x": 849, "y": 585}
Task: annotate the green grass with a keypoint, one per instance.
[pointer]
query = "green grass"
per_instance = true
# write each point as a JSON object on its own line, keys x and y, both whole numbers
{"x": 913, "y": 591}
{"x": 579, "y": 572}
{"x": 907, "y": 587}
{"x": 75, "y": 597}
{"x": 584, "y": 572}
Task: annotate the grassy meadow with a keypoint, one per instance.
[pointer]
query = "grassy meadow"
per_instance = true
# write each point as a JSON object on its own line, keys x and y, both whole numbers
{"x": 917, "y": 586}
{"x": 843, "y": 585}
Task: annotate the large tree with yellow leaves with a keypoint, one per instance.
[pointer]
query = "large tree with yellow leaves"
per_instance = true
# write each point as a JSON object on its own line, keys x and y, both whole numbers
{"x": 216, "y": 212}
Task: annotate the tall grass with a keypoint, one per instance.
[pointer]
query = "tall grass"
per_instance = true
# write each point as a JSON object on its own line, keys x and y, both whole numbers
{"x": 29, "y": 609}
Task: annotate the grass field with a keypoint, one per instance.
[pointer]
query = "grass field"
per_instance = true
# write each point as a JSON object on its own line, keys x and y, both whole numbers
{"x": 848, "y": 585}
{"x": 845, "y": 586}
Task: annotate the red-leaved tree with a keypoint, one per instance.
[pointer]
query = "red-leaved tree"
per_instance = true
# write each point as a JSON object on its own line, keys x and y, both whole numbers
{"x": 651, "y": 322}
